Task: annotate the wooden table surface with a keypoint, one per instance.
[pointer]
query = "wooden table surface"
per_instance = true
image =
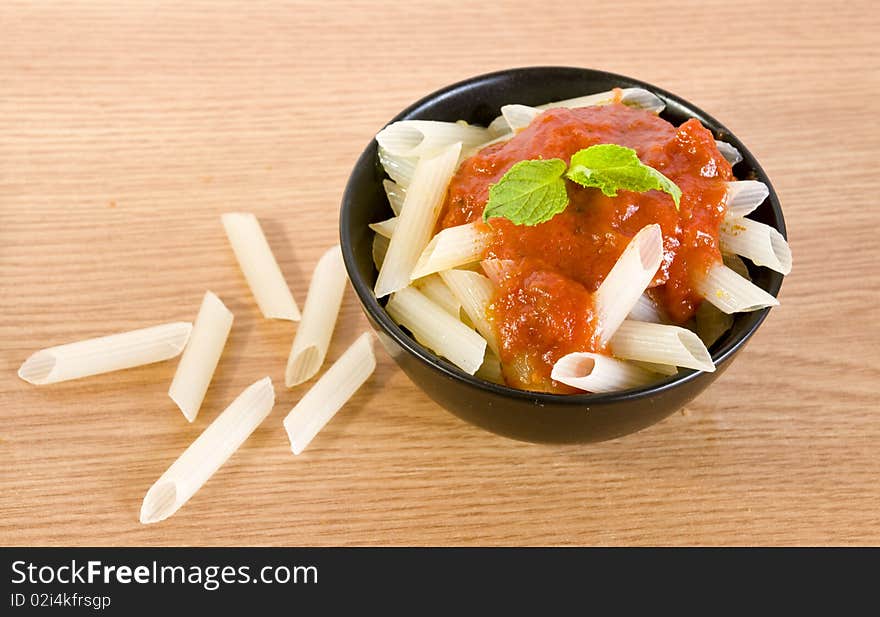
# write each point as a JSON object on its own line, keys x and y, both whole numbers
{"x": 127, "y": 129}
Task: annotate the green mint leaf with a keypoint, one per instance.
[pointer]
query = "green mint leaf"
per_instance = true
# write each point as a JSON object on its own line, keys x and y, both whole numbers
{"x": 531, "y": 192}
{"x": 609, "y": 168}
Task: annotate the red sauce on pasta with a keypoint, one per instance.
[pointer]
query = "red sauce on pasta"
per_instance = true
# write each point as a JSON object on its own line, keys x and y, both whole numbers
{"x": 543, "y": 307}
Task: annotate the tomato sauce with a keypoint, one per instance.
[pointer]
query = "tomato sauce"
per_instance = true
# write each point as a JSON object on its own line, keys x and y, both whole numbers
{"x": 543, "y": 306}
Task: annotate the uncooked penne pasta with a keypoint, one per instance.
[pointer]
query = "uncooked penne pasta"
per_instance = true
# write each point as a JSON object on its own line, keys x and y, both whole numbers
{"x": 451, "y": 248}
{"x": 259, "y": 266}
{"x": 761, "y": 243}
{"x": 438, "y": 330}
{"x": 424, "y": 198}
{"x": 201, "y": 355}
{"x": 732, "y": 293}
{"x": 105, "y": 354}
{"x": 414, "y": 138}
{"x": 208, "y": 452}
{"x": 593, "y": 372}
{"x": 319, "y": 318}
{"x": 330, "y": 393}
{"x": 660, "y": 344}
{"x": 627, "y": 280}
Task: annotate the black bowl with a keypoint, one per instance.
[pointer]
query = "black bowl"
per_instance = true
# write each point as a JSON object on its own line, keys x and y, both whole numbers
{"x": 532, "y": 416}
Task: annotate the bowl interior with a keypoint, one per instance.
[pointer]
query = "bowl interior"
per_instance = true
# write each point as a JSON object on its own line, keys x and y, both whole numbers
{"x": 478, "y": 101}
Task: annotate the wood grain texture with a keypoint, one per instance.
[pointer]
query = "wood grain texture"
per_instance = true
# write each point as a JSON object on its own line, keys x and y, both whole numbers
{"x": 127, "y": 129}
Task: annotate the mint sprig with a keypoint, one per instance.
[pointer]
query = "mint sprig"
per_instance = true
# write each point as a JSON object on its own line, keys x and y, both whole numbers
{"x": 533, "y": 191}
{"x": 609, "y": 168}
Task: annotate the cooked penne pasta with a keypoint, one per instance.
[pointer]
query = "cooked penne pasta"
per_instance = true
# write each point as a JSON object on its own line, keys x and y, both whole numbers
{"x": 490, "y": 370}
{"x": 761, "y": 243}
{"x": 400, "y": 168}
{"x": 519, "y": 117}
{"x": 593, "y": 372}
{"x": 201, "y": 355}
{"x": 632, "y": 97}
{"x": 105, "y": 354}
{"x": 627, "y": 281}
{"x": 474, "y": 292}
{"x": 499, "y": 129}
{"x": 330, "y": 393}
{"x": 743, "y": 196}
{"x": 208, "y": 452}
{"x": 729, "y": 152}
{"x": 415, "y": 138}
{"x": 735, "y": 263}
{"x": 396, "y": 195}
{"x": 437, "y": 291}
{"x": 380, "y": 248}
{"x": 497, "y": 269}
{"x": 451, "y": 248}
{"x": 385, "y": 228}
{"x": 319, "y": 318}
{"x": 436, "y": 329}
{"x": 424, "y": 198}
{"x": 660, "y": 344}
{"x": 259, "y": 266}
{"x": 645, "y": 309}
{"x": 732, "y": 293}
{"x": 660, "y": 369}
{"x": 712, "y": 323}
